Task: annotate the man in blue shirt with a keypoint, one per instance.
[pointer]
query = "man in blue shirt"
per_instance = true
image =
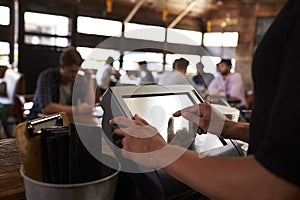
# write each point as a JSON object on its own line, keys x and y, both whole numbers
{"x": 202, "y": 79}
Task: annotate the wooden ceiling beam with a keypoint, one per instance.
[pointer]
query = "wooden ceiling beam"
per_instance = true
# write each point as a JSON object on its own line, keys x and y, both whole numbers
{"x": 187, "y": 9}
{"x": 133, "y": 11}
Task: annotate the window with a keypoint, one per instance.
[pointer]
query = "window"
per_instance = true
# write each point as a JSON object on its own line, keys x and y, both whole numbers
{"x": 184, "y": 37}
{"x": 218, "y": 39}
{"x": 46, "y": 24}
{"x": 45, "y": 29}
{"x": 4, "y": 53}
{"x": 96, "y": 57}
{"x": 230, "y": 39}
{"x": 89, "y": 25}
{"x": 5, "y": 15}
{"x": 213, "y": 39}
{"x": 154, "y": 60}
{"x": 44, "y": 40}
{"x": 144, "y": 32}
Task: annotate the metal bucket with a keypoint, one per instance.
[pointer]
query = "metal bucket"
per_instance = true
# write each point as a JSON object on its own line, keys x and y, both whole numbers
{"x": 102, "y": 189}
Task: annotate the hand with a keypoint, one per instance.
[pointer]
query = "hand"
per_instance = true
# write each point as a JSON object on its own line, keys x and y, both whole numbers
{"x": 203, "y": 118}
{"x": 141, "y": 142}
{"x": 84, "y": 108}
{"x": 138, "y": 135}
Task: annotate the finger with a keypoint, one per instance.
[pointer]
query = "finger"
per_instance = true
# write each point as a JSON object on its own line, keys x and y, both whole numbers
{"x": 200, "y": 131}
{"x": 191, "y": 117}
{"x": 126, "y": 144}
{"x": 120, "y": 133}
{"x": 134, "y": 131}
{"x": 122, "y": 121}
{"x": 191, "y": 109}
{"x": 138, "y": 118}
{"x": 118, "y": 143}
{"x": 177, "y": 113}
{"x": 117, "y": 135}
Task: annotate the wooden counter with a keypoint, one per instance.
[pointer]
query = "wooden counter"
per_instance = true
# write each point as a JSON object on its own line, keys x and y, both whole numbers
{"x": 11, "y": 182}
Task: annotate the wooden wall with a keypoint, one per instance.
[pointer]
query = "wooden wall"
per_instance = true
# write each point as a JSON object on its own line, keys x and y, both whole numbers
{"x": 244, "y": 15}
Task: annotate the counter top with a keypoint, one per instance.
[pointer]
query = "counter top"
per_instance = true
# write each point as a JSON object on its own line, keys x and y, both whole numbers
{"x": 11, "y": 182}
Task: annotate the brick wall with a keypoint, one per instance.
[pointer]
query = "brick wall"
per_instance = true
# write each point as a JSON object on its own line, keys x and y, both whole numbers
{"x": 243, "y": 16}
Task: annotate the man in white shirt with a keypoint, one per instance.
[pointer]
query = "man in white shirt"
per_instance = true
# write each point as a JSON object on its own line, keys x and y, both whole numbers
{"x": 178, "y": 75}
{"x": 107, "y": 76}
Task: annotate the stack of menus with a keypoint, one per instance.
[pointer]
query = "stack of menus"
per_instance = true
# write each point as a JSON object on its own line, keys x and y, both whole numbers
{"x": 65, "y": 159}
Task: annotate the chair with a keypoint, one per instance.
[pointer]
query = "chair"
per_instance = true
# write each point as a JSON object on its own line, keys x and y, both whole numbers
{"x": 23, "y": 104}
{"x": 14, "y": 82}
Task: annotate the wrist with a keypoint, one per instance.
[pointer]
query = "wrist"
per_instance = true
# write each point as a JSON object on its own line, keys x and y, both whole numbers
{"x": 228, "y": 129}
{"x": 236, "y": 130}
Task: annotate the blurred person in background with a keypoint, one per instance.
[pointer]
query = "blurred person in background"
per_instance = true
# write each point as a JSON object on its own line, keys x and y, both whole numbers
{"x": 146, "y": 76}
{"x": 230, "y": 83}
{"x": 202, "y": 79}
{"x": 107, "y": 76}
{"x": 54, "y": 88}
{"x": 178, "y": 75}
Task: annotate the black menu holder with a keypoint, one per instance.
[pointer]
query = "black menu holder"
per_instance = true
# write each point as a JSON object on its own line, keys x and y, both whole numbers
{"x": 55, "y": 153}
{"x": 84, "y": 166}
{"x": 28, "y": 138}
{"x": 66, "y": 159}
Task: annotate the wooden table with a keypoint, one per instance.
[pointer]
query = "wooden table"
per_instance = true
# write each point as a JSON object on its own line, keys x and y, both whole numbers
{"x": 11, "y": 182}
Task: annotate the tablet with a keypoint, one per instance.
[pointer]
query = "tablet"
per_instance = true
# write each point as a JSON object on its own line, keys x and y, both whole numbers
{"x": 156, "y": 104}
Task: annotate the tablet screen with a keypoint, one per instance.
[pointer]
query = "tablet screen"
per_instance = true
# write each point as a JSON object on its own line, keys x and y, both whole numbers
{"x": 157, "y": 109}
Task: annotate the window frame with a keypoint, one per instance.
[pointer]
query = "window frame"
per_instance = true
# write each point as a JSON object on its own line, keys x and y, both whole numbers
{"x": 7, "y": 31}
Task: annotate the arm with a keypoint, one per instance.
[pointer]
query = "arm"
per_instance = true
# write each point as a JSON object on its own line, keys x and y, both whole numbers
{"x": 210, "y": 120}
{"x": 81, "y": 107}
{"x": 215, "y": 177}
{"x": 56, "y": 107}
{"x": 230, "y": 178}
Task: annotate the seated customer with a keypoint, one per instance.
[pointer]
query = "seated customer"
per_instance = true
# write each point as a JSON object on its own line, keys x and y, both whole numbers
{"x": 229, "y": 83}
{"x": 145, "y": 75}
{"x": 202, "y": 78}
{"x": 54, "y": 88}
{"x": 178, "y": 75}
{"x": 107, "y": 75}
